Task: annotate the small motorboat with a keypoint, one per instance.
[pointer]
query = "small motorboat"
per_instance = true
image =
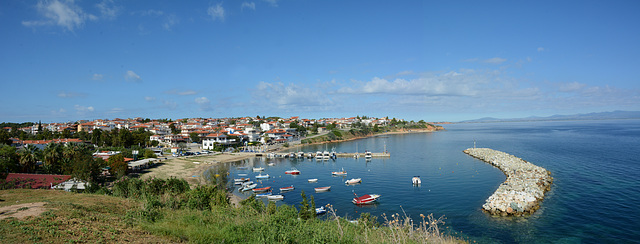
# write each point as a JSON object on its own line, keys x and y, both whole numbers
{"x": 240, "y": 181}
{"x": 313, "y": 180}
{"x": 416, "y": 180}
{"x": 342, "y": 172}
{"x": 293, "y": 171}
{"x": 353, "y": 181}
{"x": 322, "y": 189}
{"x": 321, "y": 210}
{"x": 261, "y": 176}
{"x": 368, "y": 155}
{"x": 271, "y": 164}
{"x": 288, "y": 188}
{"x": 275, "y": 197}
{"x": 266, "y": 194}
{"x": 262, "y": 189}
{"x": 258, "y": 169}
{"x": 242, "y": 174}
{"x": 366, "y": 199}
{"x": 246, "y": 183}
{"x": 248, "y": 187}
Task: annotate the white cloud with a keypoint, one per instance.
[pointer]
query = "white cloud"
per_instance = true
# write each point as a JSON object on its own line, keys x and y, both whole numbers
{"x": 291, "y": 96}
{"x": 571, "y": 87}
{"x": 170, "y": 21}
{"x": 65, "y": 14}
{"x": 273, "y": 3}
{"x": 495, "y": 60}
{"x": 541, "y": 49}
{"x": 132, "y": 76}
{"x": 97, "y": 77}
{"x": 250, "y": 5}
{"x": 448, "y": 84}
{"x": 116, "y": 110}
{"x": 204, "y": 103}
{"x": 64, "y": 94}
{"x": 181, "y": 93}
{"x": 83, "y": 109}
{"x": 151, "y": 12}
{"x": 216, "y": 12}
{"x": 149, "y": 99}
{"x": 108, "y": 10}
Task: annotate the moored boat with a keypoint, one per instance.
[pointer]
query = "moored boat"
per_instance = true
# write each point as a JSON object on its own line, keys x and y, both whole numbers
{"x": 266, "y": 194}
{"x": 261, "y": 176}
{"x": 248, "y": 187}
{"x": 365, "y": 199}
{"x": 342, "y": 172}
{"x": 275, "y": 197}
{"x": 313, "y": 180}
{"x": 318, "y": 155}
{"x": 367, "y": 155}
{"x": 353, "y": 181}
{"x": 288, "y": 188}
{"x": 240, "y": 181}
{"x": 322, "y": 189}
{"x": 262, "y": 189}
{"x": 416, "y": 180}
{"x": 293, "y": 171}
{"x": 258, "y": 169}
{"x": 321, "y": 210}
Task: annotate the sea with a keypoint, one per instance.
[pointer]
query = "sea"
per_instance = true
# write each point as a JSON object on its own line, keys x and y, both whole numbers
{"x": 595, "y": 196}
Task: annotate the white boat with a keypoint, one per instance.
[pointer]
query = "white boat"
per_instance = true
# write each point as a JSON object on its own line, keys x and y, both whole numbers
{"x": 275, "y": 197}
{"x": 367, "y": 155}
{"x": 247, "y": 183}
{"x": 300, "y": 154}
{"x": 288, "y": 188}
{"x": 326, "y": 155}
{"x": 258, "y": 169}
{"x": 321, "y": 210}
{"x": 318, "y": 155}
{"x": 248, "y": 187}
{"x": 240, "y": 181}
{"x": 322, "y": 189}
{"x": 342, "y": 172}
{"x": 313, "y": 180}
{"x": 366, "y": 199}
{"x": 263, "y": 194}
{"x": 416, "y": 180}
{"x": 353, "y": 181}
{"x": 271, "y": 164}
{"x": 261, "y": 176}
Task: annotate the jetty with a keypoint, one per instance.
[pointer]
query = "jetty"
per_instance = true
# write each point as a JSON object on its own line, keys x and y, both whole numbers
{"x": 312, "y": 155}
{"x": 524, "y": 188}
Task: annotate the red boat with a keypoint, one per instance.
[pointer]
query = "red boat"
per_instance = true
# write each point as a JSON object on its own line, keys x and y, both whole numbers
{"x": 293, "y": 171}
{"x": 263, "y": 189}
{"x": 366, "y": 199}
{"x": 288, "y": 188}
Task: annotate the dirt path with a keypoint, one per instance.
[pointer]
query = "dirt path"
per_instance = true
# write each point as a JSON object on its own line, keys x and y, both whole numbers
{"x": 21, "y": 211}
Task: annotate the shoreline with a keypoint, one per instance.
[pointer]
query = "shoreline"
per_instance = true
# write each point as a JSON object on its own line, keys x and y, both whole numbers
{"x": 523, "y": 190}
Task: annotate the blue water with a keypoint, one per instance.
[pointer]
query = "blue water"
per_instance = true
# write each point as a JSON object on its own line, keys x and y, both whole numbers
{"x": 594, "y": 198}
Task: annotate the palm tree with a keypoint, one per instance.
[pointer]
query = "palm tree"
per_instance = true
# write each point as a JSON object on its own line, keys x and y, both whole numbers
{"x": 52, "y": 155}
{"x": 28, "y": 156}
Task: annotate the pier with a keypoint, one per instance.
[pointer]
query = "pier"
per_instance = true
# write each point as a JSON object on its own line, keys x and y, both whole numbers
{"x": 524, "y": 188}
{"x": 313, "y": 155}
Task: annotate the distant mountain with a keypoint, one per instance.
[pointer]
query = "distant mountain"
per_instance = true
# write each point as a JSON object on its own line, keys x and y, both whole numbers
{"x": 589, "y": 116}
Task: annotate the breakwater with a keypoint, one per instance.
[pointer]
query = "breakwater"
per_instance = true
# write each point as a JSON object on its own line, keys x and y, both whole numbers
{"x": 524, "y": 188}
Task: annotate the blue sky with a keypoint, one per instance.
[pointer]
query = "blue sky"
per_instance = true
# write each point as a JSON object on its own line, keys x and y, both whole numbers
{"x": 432, "y": 60}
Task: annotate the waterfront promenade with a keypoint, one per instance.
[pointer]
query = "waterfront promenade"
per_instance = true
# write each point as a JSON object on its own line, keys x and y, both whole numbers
{"x": 524, "y": 188}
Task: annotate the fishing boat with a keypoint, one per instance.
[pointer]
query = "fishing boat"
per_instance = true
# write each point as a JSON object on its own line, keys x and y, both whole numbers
{"x": 365, "y": 199}
{"x": 353, "y": 181}
{"x": 342, "y": 172}
{"x": 248, "y": 187}
{"x": 262, "y": 189}
{"x": 275, "y": 197}
{"x": 266, "y": 194}
{"x": 322, "y": 189}
{"x": 313, "y": 180}
{"x": 288, "y": 188}
{"x": 293, "y": 171}
{"x": 258, "y": 169}
{"x": 261, "y": 176}
{"x": 321, "y": 210}
{"x": 416, "y": 180}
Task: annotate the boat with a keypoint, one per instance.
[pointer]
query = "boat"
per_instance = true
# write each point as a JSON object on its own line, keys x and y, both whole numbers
{"x": 300, "y": 154}
{"x": 313, "y": 180}
{"x": 353, "y": 181}
{"x": 243, "y": 168}
{"x": 365, "y": 199}
{"x": 333, "y": 154}
{"x": 321, "y": 210}
{"x": 343, "y": 172}
{"x": 318, "y": 155}
{"x": 248, "y": 187}
{"x": 416, "y": 180}
{"x": 262, "y": 189}
{"x": 258, "y": 169}
{"x": 261, "y": 176}
{"x": 275, "y": 197}
{"x": 326, "y": 155}
{"x": 322, "y": 189}
{"x": 367, "y": 155}
{"x": 240, "y": 181}
{"x": 266, "y": 194}
{"x": 293, "y": 171}
{"x": 288, "y": 188}
{"x": 242, "y": 174}
{"x": 247, "y": 183}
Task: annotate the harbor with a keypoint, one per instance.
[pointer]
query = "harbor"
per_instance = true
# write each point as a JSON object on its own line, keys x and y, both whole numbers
{"x": 524, "y": 188}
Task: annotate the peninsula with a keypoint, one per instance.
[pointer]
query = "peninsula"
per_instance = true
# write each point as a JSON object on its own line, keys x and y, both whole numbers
{"x": 524, "y": 188}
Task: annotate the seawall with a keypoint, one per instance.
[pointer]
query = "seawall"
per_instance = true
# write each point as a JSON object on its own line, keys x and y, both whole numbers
{"x": 524, "y": 188}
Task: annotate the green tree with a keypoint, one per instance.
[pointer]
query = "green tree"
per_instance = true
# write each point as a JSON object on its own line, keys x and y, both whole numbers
{"x": 306, "y": 210}
{"x": 28, "y": 157}
{"x": 52, "y": 158}
{"x": 194, "y": 137}
{"x": 173, "y": 128}
{"x": 8, "y": 159}
{"x": 118, "y": 166}
{"x": 375, "y": 128}
{"x": 4, "y": 137}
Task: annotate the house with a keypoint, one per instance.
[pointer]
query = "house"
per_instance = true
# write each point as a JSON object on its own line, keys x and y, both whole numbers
{"x": 210, "y": 140}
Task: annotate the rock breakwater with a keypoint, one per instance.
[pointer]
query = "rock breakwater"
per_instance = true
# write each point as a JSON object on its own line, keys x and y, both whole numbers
{"x": 524, "y": 188}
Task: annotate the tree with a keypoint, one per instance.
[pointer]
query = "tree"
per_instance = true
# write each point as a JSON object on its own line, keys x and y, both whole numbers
{"x": 375, "y": 128}
{"x": 307, "y": 211}
{"x": 118, "y": 166}
{"x": 194, "y": 137}
{"x": 173, "y": 128}
{"x": 52, "y": 158}
{"x": 4, "y": 137}
{"x": 28, "y": 156}
{"x": 8, "y": 159}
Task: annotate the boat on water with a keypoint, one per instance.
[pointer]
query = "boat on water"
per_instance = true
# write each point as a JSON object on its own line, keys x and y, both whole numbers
{"x": 248, "y": 187}
{"x": 293, "y": 171}
{"x": 242, "y": 174}
{"x": 271, "y": 164}
{"x": 300, "y": 154}
{"x": 365, "y": 199}
{"x": 321, "y": 210}
{"x": 258, "y": 169}
{"x": 342, "y": 172}
{"x": 288, "y": 188}
{"x": 243, "y": 168}
{"x": 353, "y": 181}
{"x": 318, "y": 155}
{"x": 313, "y": 180}
{"x": 261, "y": 176}
{"x": 326, "y": 155}
{"x": 416, "y": 180}
{"x": 367, "y": 155}
{"x": 322, "y": 189}
{"x": 239, "y": 181}
{"x": 333, "y": 154}
{"x": 266, "y": 194}
{"x": 275, "y": 197}
{"x": 262, "y": 189}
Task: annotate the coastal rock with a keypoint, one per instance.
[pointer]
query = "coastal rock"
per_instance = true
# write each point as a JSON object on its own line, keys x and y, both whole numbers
{"x": 524, "y": 187}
